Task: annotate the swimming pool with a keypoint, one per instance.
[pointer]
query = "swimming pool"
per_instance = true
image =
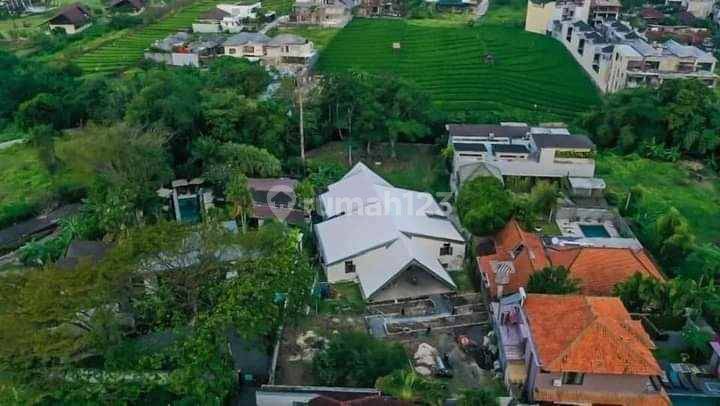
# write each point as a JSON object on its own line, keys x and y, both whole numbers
{"x": 594, "y": 231}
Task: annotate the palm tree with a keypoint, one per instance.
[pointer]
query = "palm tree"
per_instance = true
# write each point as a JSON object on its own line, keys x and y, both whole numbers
{"x": 408, "y": 386}
{"x": 238, "y": 192}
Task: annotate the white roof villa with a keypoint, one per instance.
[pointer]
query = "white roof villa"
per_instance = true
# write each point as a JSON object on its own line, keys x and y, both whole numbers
{"x": 396, "y": 243}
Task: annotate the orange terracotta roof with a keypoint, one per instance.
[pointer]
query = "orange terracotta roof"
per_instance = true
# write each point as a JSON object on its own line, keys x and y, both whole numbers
{"x": 528, "y": 259}
{"x": 588, "y": 334}
{"x": 569, "y": 395}
{"x": 598, "y": 269}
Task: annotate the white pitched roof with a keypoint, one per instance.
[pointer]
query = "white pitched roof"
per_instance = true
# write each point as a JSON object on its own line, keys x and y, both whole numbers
{"x": 393, "y": 260}
{"x": 366, "y": 213}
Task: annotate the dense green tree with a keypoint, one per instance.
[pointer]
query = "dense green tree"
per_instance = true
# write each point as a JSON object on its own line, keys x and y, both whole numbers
{"x": 221, "y": 161}
{"x": 242, "y": 76}
{"x": 232, "y": 117}
{"x": 169, "y": 100}
{"x": 43, "y": 109}
{"x": 371, "y": 358}
{"x": 673, "y": 237}
{"x": 680, "y": 113}
{"x": 128, "y": 166}
{"x": 553, "y": 280}
{"x": 484, "y": 205}
{"x": 375, "y": 108}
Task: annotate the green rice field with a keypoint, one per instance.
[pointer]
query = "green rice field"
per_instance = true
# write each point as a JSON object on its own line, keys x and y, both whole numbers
{"x": 123, "y": 52}
{"x": 532, "y": 77}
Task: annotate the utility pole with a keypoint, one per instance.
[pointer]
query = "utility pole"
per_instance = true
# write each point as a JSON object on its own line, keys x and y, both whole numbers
{"x": 299, "y": 79}
{"x": 302, "y": 127}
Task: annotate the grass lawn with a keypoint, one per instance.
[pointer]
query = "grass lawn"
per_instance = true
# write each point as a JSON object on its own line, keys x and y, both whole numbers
{"x": 347, "y": 298}
{"x": 25, "y": 185}
{"x": 417, "y": 166}
{"x": 668, "y": 184}
{"x": 533, "y": 78}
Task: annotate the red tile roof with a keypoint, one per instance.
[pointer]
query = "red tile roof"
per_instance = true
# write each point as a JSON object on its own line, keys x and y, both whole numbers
{"x": 598, "y": 269}
{"x": 589, "y": 335}
{"x": 530, "y": 256}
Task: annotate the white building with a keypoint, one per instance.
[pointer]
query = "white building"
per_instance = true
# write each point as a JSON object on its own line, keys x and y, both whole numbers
{"x": 250, "y": 45}
{"x": 396, "y": 243}
{"x": 611, "y": 52}
{"x": 288, "y": 53}
{"x": 516, "y": 149}
{"x": 616, "y": 57}
{"x": 227, "y": 18}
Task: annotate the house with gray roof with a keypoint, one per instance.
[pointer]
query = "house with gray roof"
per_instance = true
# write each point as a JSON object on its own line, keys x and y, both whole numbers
{"x": 250, "y": 45}
{"x": 395, "y": 243}
{"x": 184, "y": 49}
{"x": 518, "y": 150}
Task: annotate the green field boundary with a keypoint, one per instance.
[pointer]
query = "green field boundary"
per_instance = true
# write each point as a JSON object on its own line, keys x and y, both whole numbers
{"x": 121, "y": 53}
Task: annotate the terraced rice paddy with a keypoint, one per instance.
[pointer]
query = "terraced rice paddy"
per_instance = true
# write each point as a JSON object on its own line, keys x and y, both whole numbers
{"x": 532, "y": 77}
{"x": 128, "y": 50}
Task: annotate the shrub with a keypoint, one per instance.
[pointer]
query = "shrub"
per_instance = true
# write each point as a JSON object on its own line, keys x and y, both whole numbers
{"x": 356, "y": 359}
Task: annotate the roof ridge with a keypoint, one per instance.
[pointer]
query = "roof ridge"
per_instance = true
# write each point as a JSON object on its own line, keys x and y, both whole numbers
{"x": 583, "y": 332}
{"x": 602, "y": 321}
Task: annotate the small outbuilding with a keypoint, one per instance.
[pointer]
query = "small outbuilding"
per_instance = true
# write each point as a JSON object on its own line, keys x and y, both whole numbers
{"x": 127, "y": 6}
{"x": 72, "y": 19}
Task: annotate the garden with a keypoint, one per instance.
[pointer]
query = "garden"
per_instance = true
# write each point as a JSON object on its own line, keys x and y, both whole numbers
{"x": 689, "y": 187}
{"x": 485, "y": 68}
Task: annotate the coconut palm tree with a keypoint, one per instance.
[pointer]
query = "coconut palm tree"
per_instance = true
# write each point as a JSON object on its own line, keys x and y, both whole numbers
{"x": 406, "y": 385}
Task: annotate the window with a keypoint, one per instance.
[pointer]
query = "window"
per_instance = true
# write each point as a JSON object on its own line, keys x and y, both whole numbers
{"x": 232, "y": 51}
{"x": 517, "y": 250}
{"x": 349, "y": 267}
{"x": 572, "y": 378}
{"x": 446, "y": 249}
{"x": 248, "y": 50}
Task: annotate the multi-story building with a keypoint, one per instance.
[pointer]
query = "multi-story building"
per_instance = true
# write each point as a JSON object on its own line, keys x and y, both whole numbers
{"x": 325, "y": 13}
{"x": 516, "y": 149}
{"x": 612, "y": 53}
{"x": 617, "y": 57}
{"x": 541, "y": 17}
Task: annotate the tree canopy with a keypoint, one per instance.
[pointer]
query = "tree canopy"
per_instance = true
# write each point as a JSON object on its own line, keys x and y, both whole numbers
{"x": 484, "y": 205}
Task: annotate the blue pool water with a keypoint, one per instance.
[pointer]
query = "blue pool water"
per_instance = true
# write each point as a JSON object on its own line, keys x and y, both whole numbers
{"x": 594, "y": 231}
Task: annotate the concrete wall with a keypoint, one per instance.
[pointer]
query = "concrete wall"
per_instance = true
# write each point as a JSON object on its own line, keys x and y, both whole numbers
{"x": 538, "y": 17}
{"x": 454, "y": 261}
{"x": 403, "y": 287}
{"x": 258, "y": 51}
{"x": 69, "y": 28}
